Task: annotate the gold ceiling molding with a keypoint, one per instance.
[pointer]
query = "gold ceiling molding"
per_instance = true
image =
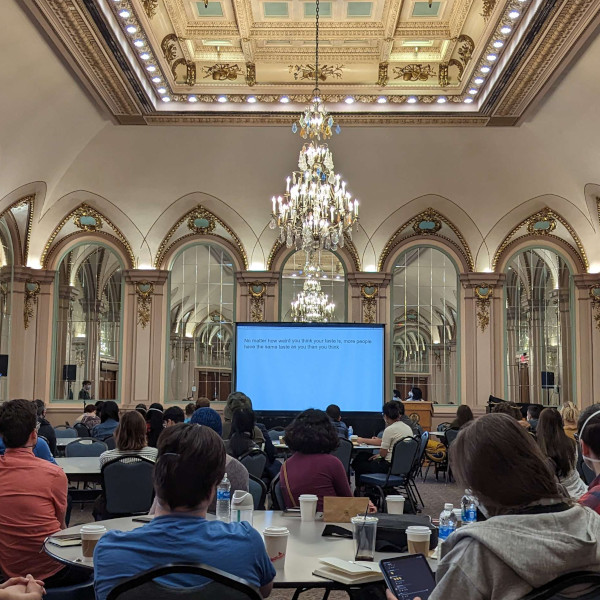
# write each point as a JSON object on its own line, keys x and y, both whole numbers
{"x": 307, "y": 72}
{"x": 488, "y": 8}
{"x": 85, "y": 210}
{"x": 598, "y": 208}
{"x": 427, "y": 223}
{"x": 191, "y": 217}
{"x": 222, "y": 72}
{"x": 414, "y": 72}
{"x": 30, "y": 202}
{"x": 549, "y": 217}
{"x": 150, "y": 7}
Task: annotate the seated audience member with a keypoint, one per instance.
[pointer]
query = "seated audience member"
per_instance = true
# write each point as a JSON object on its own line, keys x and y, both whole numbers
{"x": 512, "y": 410}
{"x": 25, "y": 588}
{"x": 561, "y": 452}
{"x": 312, "y": 469}
{"x": 415, "y": 394}
{"x": 33, "y": 501}
{"x": 588, "y": 429}
{"x": 130, "y": 438}
{"x": 191, "y": 463}
{"x": 45, "y": 429}
{"x": 142, "y": 409}
{"x": 464, "y": 414}
{"x": 189, "y": 411}
{"x": 533, "y": 414}
{"x": 99, "y": 404}
{"x": 109, "y": 419}
{"x": 240, "y": 438}
{"x": 173, "y": 415}
{"x": 396, "y": 396}
{"x": 154, "y": 423}
{"x": 40, "y": 450}
{"x": 532, "y": 533}
{"x": 395, "y": 430}
{"x": 202, "y": 402}
{"x": 89, "y": 417}
{"x": 335, "y": 416}
{"x": 570, "y": 415}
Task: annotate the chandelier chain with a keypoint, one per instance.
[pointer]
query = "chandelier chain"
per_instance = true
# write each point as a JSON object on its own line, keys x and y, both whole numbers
{"x": 317, "y": 48}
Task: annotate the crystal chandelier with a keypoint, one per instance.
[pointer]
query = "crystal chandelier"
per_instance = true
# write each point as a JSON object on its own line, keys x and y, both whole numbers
{"x": 312, "y": 305}
{"x": 316, "y": 210}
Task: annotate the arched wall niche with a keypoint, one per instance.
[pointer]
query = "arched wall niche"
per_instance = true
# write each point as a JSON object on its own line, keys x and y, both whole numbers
{"x": 18, "y": 217}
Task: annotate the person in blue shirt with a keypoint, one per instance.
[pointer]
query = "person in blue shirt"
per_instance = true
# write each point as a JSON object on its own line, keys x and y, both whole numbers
{"x": 41, "y": 450}
{"x": 190, "y": 465}
{"x": 109, "y": 419}
{"x": 335, "y": 416}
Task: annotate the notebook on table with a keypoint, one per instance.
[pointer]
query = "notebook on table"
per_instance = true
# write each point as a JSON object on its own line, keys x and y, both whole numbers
{"x": 347, "y": 572}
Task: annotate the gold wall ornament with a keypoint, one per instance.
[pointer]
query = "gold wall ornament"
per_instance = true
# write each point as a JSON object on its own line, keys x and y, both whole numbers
{"x": 369, "y": 292}
{"x": 250, "y": 74}
{"x": 86, "y": 218}
{"x": 456, "y": 63}
{"x": 222, "y": 72}
{"x": 301, "y": 72}
{"x": 201, "y": 221}
{"x": 427, "y": 223}
{"x": 190, "y": 71}
{"x": 465, "y": 50}
{"x": 169, "y": 47}
{"x": 443, "y": 77}
{"x": 414, "y": 72}
{"x": 595, "y": 296}
{"x": 144, "y": 291}
{"x": 382, "y": 75}
{"x": 150, "y": 7}
{"x": 257, "y": 291}
{"x": 542, "y": 223}
{"x": 32, "y": 289}
{"x": 488, "y": 8}
{"x": 483, "y": 292}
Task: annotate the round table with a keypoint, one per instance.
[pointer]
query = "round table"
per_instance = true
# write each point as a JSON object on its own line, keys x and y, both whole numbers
{"x": 305, "y": 547}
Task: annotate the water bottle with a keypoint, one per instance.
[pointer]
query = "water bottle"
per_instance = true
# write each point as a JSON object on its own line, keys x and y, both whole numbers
{"x": 224, "y": 500}
{"x": 350, "y": 432}
{"x": 469, "y": 508}
{"x": 447, "y": 522}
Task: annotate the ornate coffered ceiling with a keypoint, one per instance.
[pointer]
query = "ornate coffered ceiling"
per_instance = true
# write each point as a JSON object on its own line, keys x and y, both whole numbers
{"x": 464, "y": 62}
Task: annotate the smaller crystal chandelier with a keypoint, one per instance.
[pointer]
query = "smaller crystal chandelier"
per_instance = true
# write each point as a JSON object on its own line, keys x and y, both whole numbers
{"x": 312, "y": 304}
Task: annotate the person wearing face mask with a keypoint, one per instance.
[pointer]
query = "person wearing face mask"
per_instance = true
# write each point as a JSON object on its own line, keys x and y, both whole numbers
{"x": 415, "y": 394}
{"x": 85, "y": 393}
{"x": 588, "y": 427}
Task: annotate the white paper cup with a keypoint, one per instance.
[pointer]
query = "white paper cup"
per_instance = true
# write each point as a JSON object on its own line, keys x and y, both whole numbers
{"x": 90, "y": 534}
{"x": 353, "y": 438}
{"x": 395, "y": 505}
{"x": 458, "y": 514}
{"x": 276, "y": 544}
{"x": 308, "y": 507}
{"x": 418, "y": 538}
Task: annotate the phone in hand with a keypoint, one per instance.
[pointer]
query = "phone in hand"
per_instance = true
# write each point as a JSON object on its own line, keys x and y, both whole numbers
{"x": 408, "y": 577}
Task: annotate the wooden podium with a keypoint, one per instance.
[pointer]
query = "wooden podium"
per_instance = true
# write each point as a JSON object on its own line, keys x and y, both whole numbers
{"x": 424, "y": 410}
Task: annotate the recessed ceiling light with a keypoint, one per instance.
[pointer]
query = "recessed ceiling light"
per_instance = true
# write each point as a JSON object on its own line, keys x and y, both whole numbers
{"x": 156, "y": 79}
{"x": 381, "y": 100}
{"x": 131, "y": 29}
{"x": 151, "y": 68}
{"x": 221, "y": 99}
{"x": 166, "y": 99}
{"x": 498, "y": 44}
{"x": 192, "y": 99}
{"x": 251, "y": 99}
{"x": 468, "y": 100}
{"x": 472, "y": 91}
{"x": 441, "y": 100}
{"x": 478, "y": 80}
{"x": 138, "y": 43}
{"x": 161, "y": 90}
{"x": 505, "y": 30}
{"x": 513, "y": 14}
{"x": 144, "y": 56}
{"x": 125, "y": 14}
{"x": 492, "y": 57}
{"x": 284, "y": 99}
{"x": 411, "y": 99}
{"x": 349, "y": 100}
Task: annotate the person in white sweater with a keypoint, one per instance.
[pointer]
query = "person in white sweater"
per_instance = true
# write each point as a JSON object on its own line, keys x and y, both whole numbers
{"x": 130, "y": 438}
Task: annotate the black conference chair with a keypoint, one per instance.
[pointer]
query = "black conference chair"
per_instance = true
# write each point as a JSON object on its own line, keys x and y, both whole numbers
{"x": 222, "y": 586}
{"x": 62, "y": 431}
{"x": 258, "y": 489}
{"x": 277, "y": 494}
{"x": 79, "y": 591}
{"x": 344, "y": 453}
{"x": 443, "y": 426}
{"x": 82, "y": 430}
{"x": 110, "y": 442}
{"x": 85, "y": 447}
{"x": 255, "y": 461}
{"x": 552, "y": 590}
{"x": 127, "y": 485}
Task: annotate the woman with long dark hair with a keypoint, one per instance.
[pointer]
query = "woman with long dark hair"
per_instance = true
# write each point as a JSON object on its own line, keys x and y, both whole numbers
{"x": 154, "y": 423}
{"x": 561, "y": 452}
{"x": 109, "y": 419}
{"x": 240, "y": 438}
{"x": 463, "y": 415}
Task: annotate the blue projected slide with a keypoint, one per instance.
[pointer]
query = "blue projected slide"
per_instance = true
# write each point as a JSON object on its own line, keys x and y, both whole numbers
{"x": 294, "y": 367}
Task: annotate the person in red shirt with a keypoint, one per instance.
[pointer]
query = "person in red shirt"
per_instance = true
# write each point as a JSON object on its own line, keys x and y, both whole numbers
{"x": 589, "y": 440}
{"x": 33, "y": 501}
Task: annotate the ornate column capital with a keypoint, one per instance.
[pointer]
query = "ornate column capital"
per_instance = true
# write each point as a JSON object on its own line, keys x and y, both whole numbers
{"x": 473, "y": 280}
{"x": 588, "y": 288}
{"x": 156, "y": 277}
{"x": 370, "y": 290}
{"x": 480, "y": 288}
{"x": 145, "y": 282}
{"x": 254, "y": 287}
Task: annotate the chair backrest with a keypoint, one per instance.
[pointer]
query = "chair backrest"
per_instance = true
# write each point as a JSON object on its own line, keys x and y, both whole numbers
{"x": 274, "y": 434}
{"x": 258, "y": 488}
{"x": 277, "y": 494}
{"x": 344, "y": 453}
{"x": 451, "y": 436}
{"x": 127, "y": 485}
{"x": 403, "y": 456}
{"x": 221, "y": 586}
{"x": 422, "y": 447}
{"x": 550, "y": 590}
{"x": 85, "y": 447}
{"x": 255, "y": 461}
{"x": 65, "y": 432}
{"x": 443, "y": 426}
{"x": 110, "y": 442}
{"x": 82, "y": 430}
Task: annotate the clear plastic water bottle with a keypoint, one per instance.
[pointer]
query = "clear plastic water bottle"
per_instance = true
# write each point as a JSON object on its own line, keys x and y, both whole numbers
{"x": 447, "y": 522}
{"x": 350, "y": 431}
{"x": 468, "y": 508}
{"x": 224, "y": 500}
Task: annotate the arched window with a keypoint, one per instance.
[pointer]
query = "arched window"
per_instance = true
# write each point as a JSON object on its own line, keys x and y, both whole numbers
{"x": 539, "y": 341}
{"x": 6, "y": 286}
{"x": 88, "y": 317}
{"x": 331, "y": 277}
{"x": 425, "y": 340}
{"x": 201, "y": 313}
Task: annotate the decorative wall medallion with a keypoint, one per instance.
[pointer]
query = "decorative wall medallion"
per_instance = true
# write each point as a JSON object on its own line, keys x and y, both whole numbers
{"x": 169, "y": 47}
{"x": 86, "y": 218}
{"x": 542, "y": 223}
{"x": 222, "y": 72}
{"x": 483, "y": 291}
{"x": 250, "y": 74}
{"x": 369, "y": 292}
{"x": 32, "y": 289}
{"x": 414, "y": 72}
{"x": 200, "y": 221}
{"x": 144, "y": 291}
{"x": 465, "y": 50}
{"x": 382, "y": 76}
{"x": 595, "y": 296}
{"x": 307, "y": 72}
{"x": 427, "y": 222}
{"x": 488, "y": 8}
{"x": 150, "y": 7}
{"x": 257, "y": 291}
